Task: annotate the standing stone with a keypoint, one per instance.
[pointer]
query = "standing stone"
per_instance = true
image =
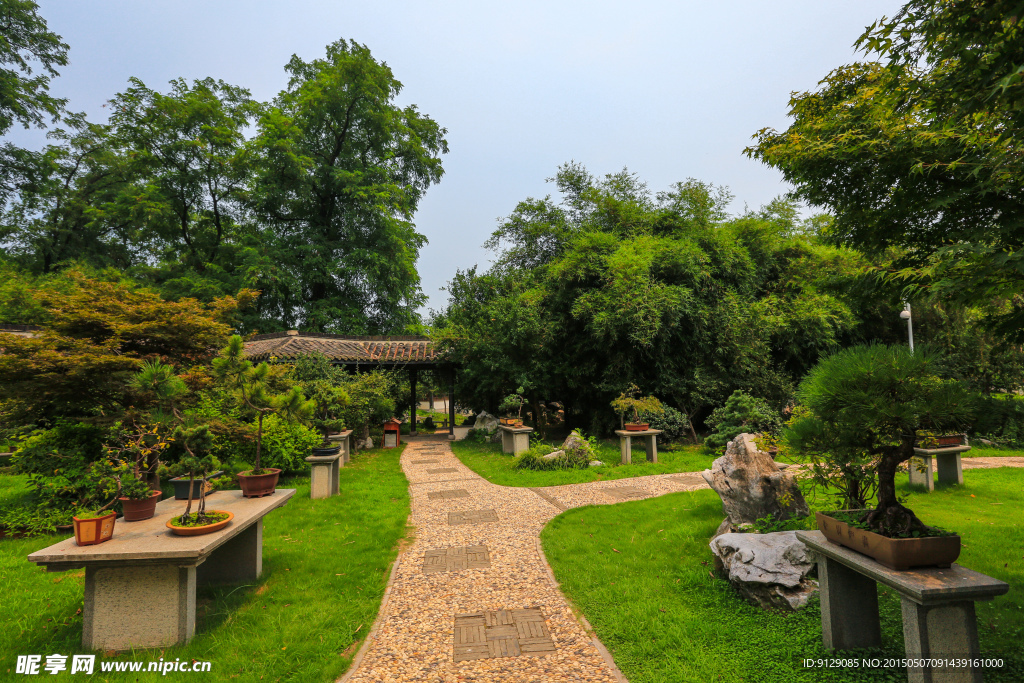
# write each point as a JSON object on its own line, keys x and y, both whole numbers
{"x": 751, "y": 486}
{"x": 486, "y": 421}
{"x": 769, "y": 570}
{"x": 575, "y": 443}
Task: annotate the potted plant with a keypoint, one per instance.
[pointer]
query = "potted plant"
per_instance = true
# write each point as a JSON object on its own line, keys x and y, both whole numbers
{"x": 630, "y": 400}
{"x": 129, "y": 454}
{"x": 512, "y": 406}
{"x": 930, "y": 440}
{"x": 861, "y": 412}
{"x": 203, "y": 521}
{"x": 252, "y": 385}
{"x": 94, "y": 526}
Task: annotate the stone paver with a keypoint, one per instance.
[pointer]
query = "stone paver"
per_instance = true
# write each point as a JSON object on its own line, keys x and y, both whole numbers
{"x": 455, "y": 559}
{"x": 448, "y": 494}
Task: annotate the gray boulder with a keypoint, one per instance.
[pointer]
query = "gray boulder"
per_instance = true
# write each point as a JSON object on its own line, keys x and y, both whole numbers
{"x": 574, "y": 442}
{"x": 552, "y": 455}
{"x": 486, "y": 421}
{"x": 751, "y": 486}
{"x": 769, "y": 570}
{"x": 596, "y": 463}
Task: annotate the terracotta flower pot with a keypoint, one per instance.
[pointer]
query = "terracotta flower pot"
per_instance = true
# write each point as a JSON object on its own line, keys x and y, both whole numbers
{"x": 896, "y": 553}
{"x": 138, "y": 510}
{"x": 256, "y": 485}
{"x": 200, "y": 530}
{"x": 637, "y": 426}
{"x": 95, "y": 529}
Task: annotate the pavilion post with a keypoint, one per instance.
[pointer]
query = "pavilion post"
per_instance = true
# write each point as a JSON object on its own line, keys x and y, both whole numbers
{"x": 451, "y": 406}
{"x": 415, "y": 403}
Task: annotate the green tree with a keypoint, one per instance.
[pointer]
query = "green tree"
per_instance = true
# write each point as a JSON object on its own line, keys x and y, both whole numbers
{"x": 340, "y": 172}
{"x": 27, "y": 44}
{"x": 865, "y": 407}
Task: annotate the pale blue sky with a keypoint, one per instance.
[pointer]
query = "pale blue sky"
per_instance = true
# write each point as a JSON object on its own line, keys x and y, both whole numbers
{"x": 670, "y": 90}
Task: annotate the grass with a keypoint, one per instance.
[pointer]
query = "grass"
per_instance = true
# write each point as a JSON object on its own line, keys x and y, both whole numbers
{"x": 325, "y": 566}
{"x": 641, "y": 574}
{"x": 487, "y": 460}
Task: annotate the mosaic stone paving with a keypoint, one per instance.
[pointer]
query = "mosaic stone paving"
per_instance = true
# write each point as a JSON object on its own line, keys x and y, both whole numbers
{"x": 472, "y": 517}
{"x": 625, "y": 493}
{"x": 454, "y": 559}
{"x": 501, "y": 633}
{"x": 447, "y": 495}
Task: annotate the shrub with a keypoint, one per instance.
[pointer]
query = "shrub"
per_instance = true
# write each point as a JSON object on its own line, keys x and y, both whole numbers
{"x": 57, "y": 462}
{"x": 285, "y": 445}
{"x": 31, "y": 520}
{"x": 673, "y": 423}
{"x": 1000, "y": 419}
{"x": 477, "y": 435}
{"x": 741, "y": 413}
{"x": 574, "y": 458}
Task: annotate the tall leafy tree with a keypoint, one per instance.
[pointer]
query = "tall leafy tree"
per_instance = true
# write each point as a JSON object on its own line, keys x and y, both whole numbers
{"x": 340, "y": 172}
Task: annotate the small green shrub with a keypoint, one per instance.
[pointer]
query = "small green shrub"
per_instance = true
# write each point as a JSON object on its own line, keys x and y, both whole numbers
{"x": 477, "y": 435}
{"x": 578, "y": 458}
{"x": 674, "y": 424}
{"x": 769, "y": 524}
{"x": 57, "y": 462}
{"x": 285, "y": 445}
{"x": 1000, "y": 419}
{"x": 32, "y": 521}
{"x": 741, "y": 413}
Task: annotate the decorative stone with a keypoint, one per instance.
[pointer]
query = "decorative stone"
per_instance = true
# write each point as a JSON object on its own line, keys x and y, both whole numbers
{"x": 574, "y": 442}
{"x": 486, "y": 421}
{"x": 751, "y": 485}
{"x": 769, "y": 570}
{"x": 552, "y": 455}
{"x": 596, "y": 463}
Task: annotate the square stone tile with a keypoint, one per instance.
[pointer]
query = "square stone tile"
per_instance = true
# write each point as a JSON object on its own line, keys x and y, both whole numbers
{"x": 472, "y": 517}
{"x": 501, "y": 633}
{"x": 625, "y": 493}
{"x": 424, "y": 462}
{"x": 454, "y": 559}
{"x": 448, "y": 494}
{"x": 443, "y": 470}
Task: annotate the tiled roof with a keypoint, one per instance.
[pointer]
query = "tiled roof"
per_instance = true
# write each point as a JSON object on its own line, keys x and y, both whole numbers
{"x": 394, "y": 350}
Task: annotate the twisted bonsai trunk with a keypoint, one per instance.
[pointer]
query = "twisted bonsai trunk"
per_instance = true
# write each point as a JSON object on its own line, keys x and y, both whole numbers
{"x": 890, "y": 517}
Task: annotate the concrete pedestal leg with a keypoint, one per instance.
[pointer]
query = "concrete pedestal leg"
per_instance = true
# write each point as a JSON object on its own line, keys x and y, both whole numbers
{"x": 651, "y": 446}
{"x": 627, "y": 449}
{"x": 507, "y": 442}
{"x": 336, "y": 477}
{"x": 920, "y": 468}
{"x": 140, "y": 606}
{"x": 320, "y": 480}
{"x": 949, "y": 468}
{"x": 849, "y": 608}
{"x": 521, "y": 443}
{"x": 237, "y": 561}
{"x": 946, "y": 631}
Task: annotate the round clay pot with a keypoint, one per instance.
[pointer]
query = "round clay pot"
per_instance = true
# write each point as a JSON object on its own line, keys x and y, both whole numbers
{"x": 256, "y": 485}
{"x": 637, "y": 426}
{"x": 138, "y": 510}
{"x": 200, "y": 530}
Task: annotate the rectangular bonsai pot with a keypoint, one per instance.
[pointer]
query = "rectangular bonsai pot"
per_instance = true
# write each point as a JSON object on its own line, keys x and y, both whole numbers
{"x": 181, "y": 485}
{"x": 896, "y": 553}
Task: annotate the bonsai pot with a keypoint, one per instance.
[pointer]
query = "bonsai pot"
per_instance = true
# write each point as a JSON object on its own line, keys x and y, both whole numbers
{"x": 200, "y": 530}
{"x": 324, "y": 451}
{"x": 944, "y": 441}
{"x": 138, "y": 510}
{"x": 182, "y": 485}
{"x": 510, "y": 421}
{"x": 95, "y": 529}
{"x": 637, "y": 426}
{"x": 256, "y": 485}
{"x": 896, "y": 553}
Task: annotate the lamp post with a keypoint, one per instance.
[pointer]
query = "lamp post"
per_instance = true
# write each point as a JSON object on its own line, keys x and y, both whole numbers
{"x": 905, "y": 314}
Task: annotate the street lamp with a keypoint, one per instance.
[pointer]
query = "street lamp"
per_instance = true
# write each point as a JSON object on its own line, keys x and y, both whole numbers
{"x": 905, "y": 314}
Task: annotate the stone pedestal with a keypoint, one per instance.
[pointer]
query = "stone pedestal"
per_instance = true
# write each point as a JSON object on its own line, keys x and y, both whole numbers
{"x": 138, "y": 606}
{"x": 344, "y": 439}
{"x": 237, "y": 561}
{"x": 947, "y": 462}
{"x": 650, "y": 444}
{"x": 938, "y": 608}
{"x": 515, "y": 440}
{"x": 325, "y": 475}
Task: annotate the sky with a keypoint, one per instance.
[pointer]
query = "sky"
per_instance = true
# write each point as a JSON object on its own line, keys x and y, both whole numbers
{"x": 668, "y": 89}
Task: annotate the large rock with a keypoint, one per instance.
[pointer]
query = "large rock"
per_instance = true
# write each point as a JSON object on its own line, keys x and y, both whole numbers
{"x": 553, "y": 454}
{"x": 751, "y": 486}
{"x": 769, "y": 570}
{"x": 486, "y": 421}
{"x": 574, "y": 442}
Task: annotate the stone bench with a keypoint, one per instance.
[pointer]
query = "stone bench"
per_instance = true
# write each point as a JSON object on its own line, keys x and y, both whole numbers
{"x": 938, "y": 608}
{"x": 650, "y": 437}
{"x": 140, "y": 586}
{"x": 947, "y": 463}
{"x": 515, "y": 440}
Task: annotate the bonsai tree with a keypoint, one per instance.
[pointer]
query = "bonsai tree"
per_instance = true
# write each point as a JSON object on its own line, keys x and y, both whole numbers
{"x": 130, "y": 453}
{"x": 157, "y": 383}
{"x": 195, "y": 467}
{"x": 513, "y": 403}
{"x": 862, "y": 410}
{"x": 630, "y": 400}
{"x": 322, "y": 383}
{"x": 253, "y": 387}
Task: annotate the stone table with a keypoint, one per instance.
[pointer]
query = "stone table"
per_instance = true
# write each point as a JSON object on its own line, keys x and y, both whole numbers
{"x": 515, "y": 440}
{"x": 140, "y": 586}
{"x": 947, "y": 462}
{"x": 650, "y": 443}
{"x": 938, "y": 608}
{"x": 325, "y": 475}
{"x": 343, "y": 439}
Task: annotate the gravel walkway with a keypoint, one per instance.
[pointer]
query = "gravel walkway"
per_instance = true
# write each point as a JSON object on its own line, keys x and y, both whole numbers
{"x": 460, "y": 565}
{"x": 414, "y": 638}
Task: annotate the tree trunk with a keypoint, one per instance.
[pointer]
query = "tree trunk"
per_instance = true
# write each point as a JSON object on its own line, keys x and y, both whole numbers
{"x": 537, "y": 419}
{"x": 890, "y": 518}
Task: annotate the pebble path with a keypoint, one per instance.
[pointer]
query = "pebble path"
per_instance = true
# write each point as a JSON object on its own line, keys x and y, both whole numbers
{"x": 414, "y": 638}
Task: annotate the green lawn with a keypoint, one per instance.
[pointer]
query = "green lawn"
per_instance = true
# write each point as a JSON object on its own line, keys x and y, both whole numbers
{"x": 489, "y": 462}
{"x": 325, "y": 566}
{"x": 641, "y": 574}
